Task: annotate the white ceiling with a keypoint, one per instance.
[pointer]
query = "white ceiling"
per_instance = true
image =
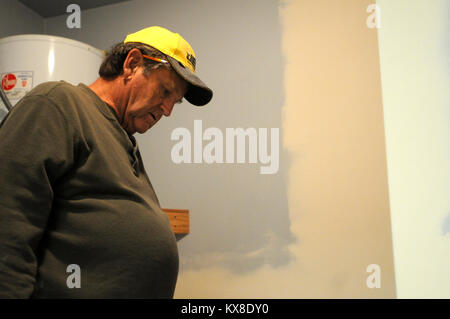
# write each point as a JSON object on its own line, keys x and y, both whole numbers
{"x": 51, "y": 8}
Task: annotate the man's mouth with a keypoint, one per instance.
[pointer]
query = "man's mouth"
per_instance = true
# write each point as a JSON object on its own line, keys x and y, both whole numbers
{"x": 154, "y": 117}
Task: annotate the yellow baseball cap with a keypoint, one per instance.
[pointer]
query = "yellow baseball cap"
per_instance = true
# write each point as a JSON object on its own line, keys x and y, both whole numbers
{"x": 181, "y": 57}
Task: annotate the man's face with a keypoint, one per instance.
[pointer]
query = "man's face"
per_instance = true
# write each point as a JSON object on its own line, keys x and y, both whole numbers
{"x": 150, "y": 97}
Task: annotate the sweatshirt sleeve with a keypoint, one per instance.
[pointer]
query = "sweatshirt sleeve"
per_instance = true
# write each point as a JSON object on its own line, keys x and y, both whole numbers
{"x": 36, "y": 149}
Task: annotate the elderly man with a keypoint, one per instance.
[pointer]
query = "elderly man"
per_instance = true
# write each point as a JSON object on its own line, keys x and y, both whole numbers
{"x": 78, "y": 215}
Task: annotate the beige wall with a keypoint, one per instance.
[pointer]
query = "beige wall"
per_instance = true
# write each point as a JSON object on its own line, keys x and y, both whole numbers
{"x": 337, "y": 188}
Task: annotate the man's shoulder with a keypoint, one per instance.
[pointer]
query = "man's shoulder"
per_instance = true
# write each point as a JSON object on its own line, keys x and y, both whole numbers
{"x": 46, "y": 93}
{"x": 68, "y": 98}
{"x": 58, "y": 97}
{"x": 54, "y": 89}
{"x": 78, "y": 104}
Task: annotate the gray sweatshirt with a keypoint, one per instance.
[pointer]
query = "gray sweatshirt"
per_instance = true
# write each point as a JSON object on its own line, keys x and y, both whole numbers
{"x": 78, "y": 215}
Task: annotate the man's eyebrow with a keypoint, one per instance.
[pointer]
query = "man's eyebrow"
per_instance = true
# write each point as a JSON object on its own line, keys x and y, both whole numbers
{"x": 171, "y": 87}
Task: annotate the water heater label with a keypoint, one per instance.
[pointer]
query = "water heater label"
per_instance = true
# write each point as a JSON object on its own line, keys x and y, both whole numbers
{"x": 17, "y": 84}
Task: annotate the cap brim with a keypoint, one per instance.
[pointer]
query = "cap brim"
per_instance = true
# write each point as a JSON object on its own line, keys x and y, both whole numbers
{"x": 198, "y": 92}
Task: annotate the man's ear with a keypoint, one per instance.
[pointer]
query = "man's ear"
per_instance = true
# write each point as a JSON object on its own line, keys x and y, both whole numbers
{"x": 132, "y": 62}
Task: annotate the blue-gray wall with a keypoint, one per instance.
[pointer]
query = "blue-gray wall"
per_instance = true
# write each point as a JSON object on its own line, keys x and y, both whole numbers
{"x": 15, "y": 18}
{"x": 239, "y": 218}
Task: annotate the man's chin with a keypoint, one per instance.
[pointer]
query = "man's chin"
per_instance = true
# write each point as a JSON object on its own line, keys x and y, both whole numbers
{"x": 143, "y": 129}
{"x": 130, "y": 130}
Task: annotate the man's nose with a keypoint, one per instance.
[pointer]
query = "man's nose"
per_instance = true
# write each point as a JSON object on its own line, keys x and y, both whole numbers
{"x": 167, "y": 108}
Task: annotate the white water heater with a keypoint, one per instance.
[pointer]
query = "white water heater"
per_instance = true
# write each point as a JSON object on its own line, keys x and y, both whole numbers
{"x": 28, "y": 60}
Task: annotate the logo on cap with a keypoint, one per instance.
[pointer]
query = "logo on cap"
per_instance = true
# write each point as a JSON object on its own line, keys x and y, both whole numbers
{"x": 191, "y": 59}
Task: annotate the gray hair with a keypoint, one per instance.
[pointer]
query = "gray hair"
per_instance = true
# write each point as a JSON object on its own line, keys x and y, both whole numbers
{"x": 112, "y": 65}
